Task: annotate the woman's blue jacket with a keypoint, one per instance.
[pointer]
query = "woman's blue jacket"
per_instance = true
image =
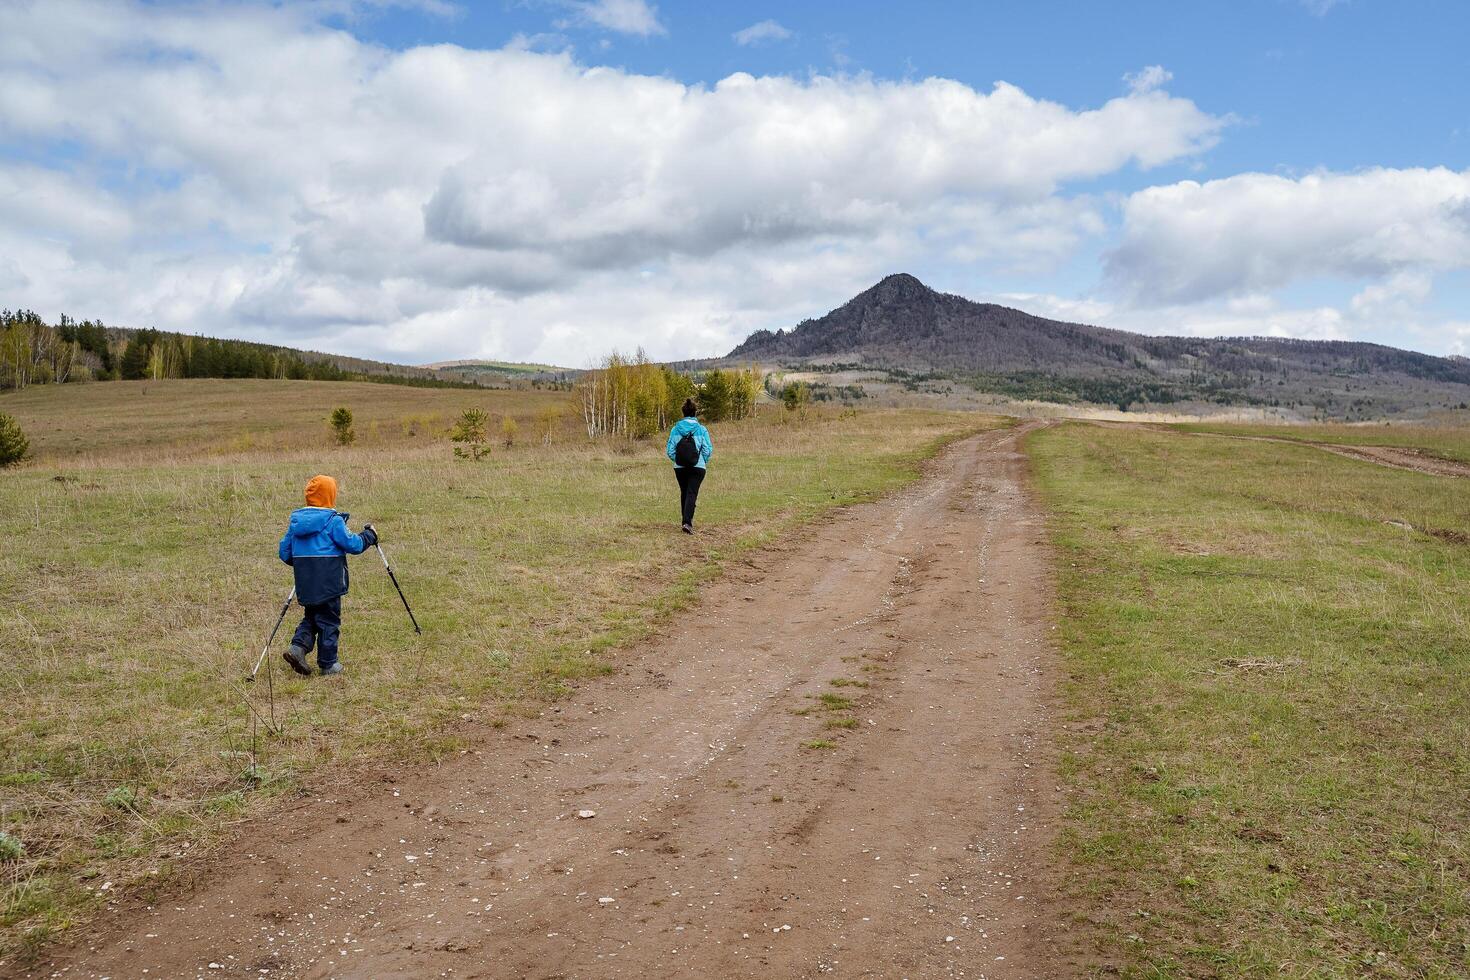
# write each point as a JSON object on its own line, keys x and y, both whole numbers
{"x": 701, "y": 439}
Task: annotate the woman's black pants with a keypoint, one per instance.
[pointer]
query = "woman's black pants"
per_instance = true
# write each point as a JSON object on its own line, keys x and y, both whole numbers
{"x": 689, "y": 477}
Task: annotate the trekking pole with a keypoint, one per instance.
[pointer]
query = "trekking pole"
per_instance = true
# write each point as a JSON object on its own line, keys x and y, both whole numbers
{"x": 272, "y": 638}
{"x": 389, "y": 569}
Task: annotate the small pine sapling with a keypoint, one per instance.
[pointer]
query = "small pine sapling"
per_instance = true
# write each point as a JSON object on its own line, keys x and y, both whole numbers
{"x": 341, "y": 422}
{"x": 469, "y": 429}
{"x": 13, "y": 442}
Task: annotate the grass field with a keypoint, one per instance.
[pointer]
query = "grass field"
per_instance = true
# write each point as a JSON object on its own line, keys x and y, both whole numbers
{"x": 139, "y": 580}
{"x": 1269, "y": 697}
{"x": 112, "y": 420}
{"x": 1449, "y": 439}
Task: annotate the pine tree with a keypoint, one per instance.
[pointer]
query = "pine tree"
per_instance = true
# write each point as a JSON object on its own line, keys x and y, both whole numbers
{"x": 342, "y": 425}
{"x": 139, "y": 352}
{"x": 13, "y": 442}
{"x": 715, "y": 396}
{"x": 470, "y": 429}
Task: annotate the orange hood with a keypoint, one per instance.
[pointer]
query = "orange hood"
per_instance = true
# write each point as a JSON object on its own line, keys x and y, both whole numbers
{"x": 321, "y": 491}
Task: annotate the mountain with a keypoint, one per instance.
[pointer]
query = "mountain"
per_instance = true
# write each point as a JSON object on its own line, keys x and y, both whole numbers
{"x": 903, "y": 327}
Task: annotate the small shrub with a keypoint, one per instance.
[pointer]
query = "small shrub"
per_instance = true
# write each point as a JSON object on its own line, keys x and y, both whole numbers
{"x": 123, "y": 798}
{"x": 11, "y": 849}
{"x": 819, "y": 743}
{"x": 13, "y": 443}
{"x": 342, "y": 425}
{"x": 796, "y": 396}
{"x": 509, "y": 429}
{"x": 469, "y": 429}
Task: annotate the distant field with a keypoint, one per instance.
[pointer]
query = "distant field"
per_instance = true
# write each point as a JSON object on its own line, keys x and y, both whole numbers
{"x": 108, "y": 419}
{"x": 139, "y": 579}
{"x": 500, "y": 367}
{"x": 1269, "y": 700}
{"x": 1450, "y": 440}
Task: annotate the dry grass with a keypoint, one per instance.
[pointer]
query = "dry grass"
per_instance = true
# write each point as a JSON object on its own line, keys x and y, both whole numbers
{"x": 1268, "y": 750}
{"x": 183, "y": 420}
{"x": 137, "y": 595}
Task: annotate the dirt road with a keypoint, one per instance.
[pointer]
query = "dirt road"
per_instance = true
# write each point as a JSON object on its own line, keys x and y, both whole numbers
{"x": 728, "y": 839}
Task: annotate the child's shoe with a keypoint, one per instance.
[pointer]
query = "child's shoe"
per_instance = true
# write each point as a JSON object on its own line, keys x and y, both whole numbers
{"x": 335, "y": 667}
{"x": 296, "y": 657}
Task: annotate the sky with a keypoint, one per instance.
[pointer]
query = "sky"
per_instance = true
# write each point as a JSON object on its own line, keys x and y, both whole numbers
{"x": 550, "y": 180}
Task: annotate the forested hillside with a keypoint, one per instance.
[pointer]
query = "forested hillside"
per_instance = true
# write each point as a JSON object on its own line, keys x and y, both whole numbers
{"x": 35, "y": 352}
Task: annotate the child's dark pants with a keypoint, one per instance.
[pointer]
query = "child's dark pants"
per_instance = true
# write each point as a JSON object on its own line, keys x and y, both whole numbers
{"x": 319, "y": 628}
{"x": 689, "y": 477}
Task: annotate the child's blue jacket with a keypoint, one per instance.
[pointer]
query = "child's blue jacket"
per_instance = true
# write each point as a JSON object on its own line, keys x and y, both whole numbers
{"x": 701, "y": 439}
{"x": 316, "y": 546}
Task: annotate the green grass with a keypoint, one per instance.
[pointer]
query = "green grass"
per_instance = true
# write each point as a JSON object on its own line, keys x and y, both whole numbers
{"x": 1268, "y": 742}
{"x": 835, "y": 702}
{"x": 1449, "y": 438}
{"x": 138, "y": 591}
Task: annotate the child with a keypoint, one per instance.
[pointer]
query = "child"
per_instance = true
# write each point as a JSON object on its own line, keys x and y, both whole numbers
{"x": 316, "y": 546}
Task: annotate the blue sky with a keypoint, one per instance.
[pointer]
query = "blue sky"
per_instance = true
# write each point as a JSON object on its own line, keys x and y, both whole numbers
{"x": 549, "y": 179}
{"x": 1350, "y": 84}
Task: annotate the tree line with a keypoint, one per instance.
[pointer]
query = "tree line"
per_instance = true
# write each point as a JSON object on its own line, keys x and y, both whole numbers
{"x": 633, "y": 397}
{"x": 33, "y": 352}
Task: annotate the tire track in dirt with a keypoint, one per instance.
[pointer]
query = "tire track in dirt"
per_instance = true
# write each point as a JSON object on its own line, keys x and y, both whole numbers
{"x": 1400, "y": 458}
{"x": 722, "y": 846}
{"x": 1394, "y": 457}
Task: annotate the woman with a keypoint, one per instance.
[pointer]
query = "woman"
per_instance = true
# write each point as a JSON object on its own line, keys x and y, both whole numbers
{"x": 690, "y": 449}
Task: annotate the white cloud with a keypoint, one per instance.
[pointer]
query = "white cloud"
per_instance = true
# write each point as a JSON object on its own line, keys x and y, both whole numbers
{"x": 282, "y": 180}
{"x": 1064, "y": 308}
{"x": 766, "y": 30}
{"x": 1148, "y": 79}
{"x": 1315, "y": 323}
{"x": 1459, "y": 337}
{"x": 645, "y": 167}
{"x": 1321, "y": 8}
{"x": 1398, "y": 297}
{"x": 634, "y": 17}
{"x": 1252, "y": 316}
{"x": 1189, "y": 241}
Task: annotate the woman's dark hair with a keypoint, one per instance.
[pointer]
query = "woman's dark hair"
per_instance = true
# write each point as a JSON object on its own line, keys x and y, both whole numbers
{"x": 691, "y": 410}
